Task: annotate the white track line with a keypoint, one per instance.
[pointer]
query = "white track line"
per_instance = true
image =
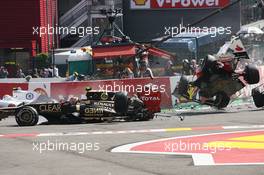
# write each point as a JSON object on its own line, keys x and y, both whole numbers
{"x": 101, "y": 132}
{"x": 243, "y": 127}
{"x": 143, "y": 131}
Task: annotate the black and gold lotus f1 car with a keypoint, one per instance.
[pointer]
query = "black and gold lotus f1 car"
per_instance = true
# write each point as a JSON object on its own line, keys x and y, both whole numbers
{"x": 98, "y": 106}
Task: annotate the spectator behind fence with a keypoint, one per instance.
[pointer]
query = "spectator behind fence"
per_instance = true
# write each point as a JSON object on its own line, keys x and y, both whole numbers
{"x": 144, "y": 57}
{"x": 168, "y": 68}
{"x": 3, "y": 72}
{"x": 46, "y": 73}
{"x": 145, "y": 71}
{"x": 127, "y": 73}
{"x": 20, "y": 73}
{"x": 35, "y": 73}
{"x": 73, "y": 77}
{"x": 186, "y": 67}
{"x": 193, "y": 66}
{"x": 41, "y": 73}
{"x": 50, "y": 71}
{"x": 56, "y": 71}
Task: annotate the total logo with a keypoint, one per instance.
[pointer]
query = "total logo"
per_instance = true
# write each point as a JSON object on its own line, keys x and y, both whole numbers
{"x": 160, "y": 4}
{"x": 144, "y": 98}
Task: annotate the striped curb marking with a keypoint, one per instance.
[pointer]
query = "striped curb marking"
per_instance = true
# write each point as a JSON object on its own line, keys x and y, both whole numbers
{"x": 229, "y": 148}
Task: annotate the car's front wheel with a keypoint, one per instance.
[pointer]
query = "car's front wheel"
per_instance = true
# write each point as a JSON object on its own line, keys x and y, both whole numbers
{"x": 251, "y": 74}
{"x": 148, "y": 116}
{"x": 121, "y": 102}
{"x": 258, "y": 97}
{"x": 27, "y": 116}
{"x": 221, "y": 100}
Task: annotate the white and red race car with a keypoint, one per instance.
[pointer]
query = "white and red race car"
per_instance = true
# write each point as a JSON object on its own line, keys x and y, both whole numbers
{"x": 19, "y": 97}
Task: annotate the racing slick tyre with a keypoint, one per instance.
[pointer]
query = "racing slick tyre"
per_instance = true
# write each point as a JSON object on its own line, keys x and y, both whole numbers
{"x": 27, "y": 116}
{"x": 258, "y": 97}
{"x": 222, "y": 100}
{"x": 121, "y": 102}
{"x": 144, "y": 115}
{"x": 251, "y": 74}
{"x": 183, "y": 86}
{"x": 149, "y": 116}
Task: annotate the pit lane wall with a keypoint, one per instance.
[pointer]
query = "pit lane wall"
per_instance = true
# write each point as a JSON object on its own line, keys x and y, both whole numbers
{"x": 65, "y": 90}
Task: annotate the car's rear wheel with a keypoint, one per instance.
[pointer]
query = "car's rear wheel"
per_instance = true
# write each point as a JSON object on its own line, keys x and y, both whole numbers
{"x": 27, "y": 116}
{"x": 258, "y": 97}
{"x": 221, "y": 100}
{"x": 251, "y": 74}
{"x": 121, "y": 102}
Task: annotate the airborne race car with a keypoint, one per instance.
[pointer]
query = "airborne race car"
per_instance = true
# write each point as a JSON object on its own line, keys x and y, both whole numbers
{"x": 218, "y": 78}
{"x": 98, "y": 106}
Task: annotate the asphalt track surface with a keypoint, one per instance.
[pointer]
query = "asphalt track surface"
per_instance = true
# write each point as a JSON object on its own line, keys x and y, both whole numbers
{"x": 19, "y": 156}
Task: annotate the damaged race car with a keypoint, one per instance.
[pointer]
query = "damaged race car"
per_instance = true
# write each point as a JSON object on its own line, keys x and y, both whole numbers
{"x": 98, "y": 106}
{"x": 219, "y": 77}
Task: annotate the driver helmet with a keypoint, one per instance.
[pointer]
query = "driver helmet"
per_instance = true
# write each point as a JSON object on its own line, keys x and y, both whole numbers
{"x": 185, "y": 61}
{"x": 88, "y": 88}
{"x": 75, "y": 73}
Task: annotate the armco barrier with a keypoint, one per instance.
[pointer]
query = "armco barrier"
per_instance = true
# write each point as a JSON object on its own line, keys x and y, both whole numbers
{"x": 65, "y": 89}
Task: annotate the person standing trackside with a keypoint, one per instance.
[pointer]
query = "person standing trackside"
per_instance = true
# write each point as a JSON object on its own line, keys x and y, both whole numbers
{"x": 168, "y": 68}
{"x": 144, "y": 57}
{"x": 56, "y": 71}
{"x": 145, "y": 71}
{"x": 193, "y": 66}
